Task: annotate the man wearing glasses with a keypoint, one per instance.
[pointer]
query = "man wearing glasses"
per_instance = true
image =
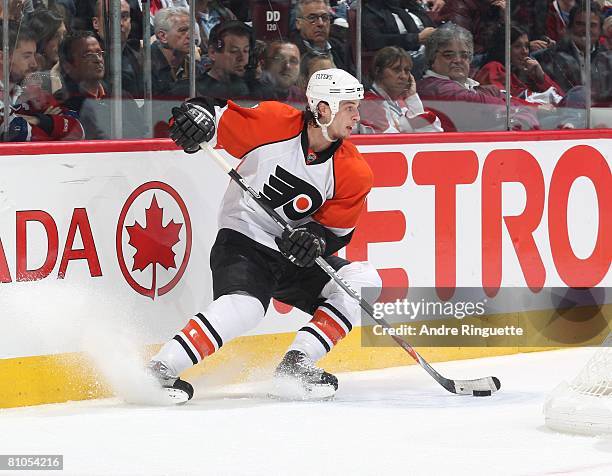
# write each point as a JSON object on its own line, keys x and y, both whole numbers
{"x": 463, "y": 103}
{"x": 82, "y": 67}
{"x": 313, "y": 23}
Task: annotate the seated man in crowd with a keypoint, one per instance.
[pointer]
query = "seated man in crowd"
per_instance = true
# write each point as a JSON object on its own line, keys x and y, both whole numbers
{"x": 169, "y": 53}
{"x": 392, "y": 103}
{"x": 313, "y": 24}
{"x": 281, "y": 72}
{"x": 232, "y": 72}
{"x": 564, "y": 63}
{"x": 131, "y": 52}
{"x": 403, "y": 23}
{"x": 84, "y": 91}
{"x": 33, "y": 114}
{"x": 461, "y": 102}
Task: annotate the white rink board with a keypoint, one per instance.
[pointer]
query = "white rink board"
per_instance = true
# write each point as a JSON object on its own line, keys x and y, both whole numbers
{"x": 98, "y": 184}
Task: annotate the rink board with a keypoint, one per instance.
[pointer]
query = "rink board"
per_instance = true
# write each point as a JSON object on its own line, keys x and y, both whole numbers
{"x": 70, "y": 277}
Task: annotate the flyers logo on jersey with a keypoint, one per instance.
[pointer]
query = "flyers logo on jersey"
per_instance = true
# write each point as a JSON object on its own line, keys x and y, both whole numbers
{"x": 297, "y": 197}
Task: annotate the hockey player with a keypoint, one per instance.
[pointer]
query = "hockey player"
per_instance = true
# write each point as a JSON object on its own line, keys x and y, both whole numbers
{"x": 318, "y": 182}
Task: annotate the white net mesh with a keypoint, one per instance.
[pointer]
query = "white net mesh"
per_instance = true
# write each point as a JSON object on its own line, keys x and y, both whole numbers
{"x": 595, "y": 379}
{"x": 584, "y": 405}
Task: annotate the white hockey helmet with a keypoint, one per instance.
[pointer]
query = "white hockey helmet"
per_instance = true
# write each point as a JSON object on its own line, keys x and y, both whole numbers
{"x": 332, "y": 86}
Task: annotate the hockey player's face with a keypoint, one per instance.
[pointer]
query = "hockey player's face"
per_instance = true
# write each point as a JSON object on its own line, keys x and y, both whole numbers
{"x": 23, "y": 60}
{"x": 234, "y": 57}
{"x": 344, "y": 121}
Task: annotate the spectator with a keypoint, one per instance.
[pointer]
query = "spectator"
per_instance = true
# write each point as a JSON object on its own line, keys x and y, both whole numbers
{"x": 462, "y": 103}
{"x": 480, "y": 17}
{"x": 86, "y": 10}
{"x": 392, "y": 103}
{"x": 313, "y": 23}
{"x": 532, "y": 16}
{"x": 67, "y": 9}
{"x": 232, "y": 72}
{"x": 310, "y": 64}
{"x": 84, "y": 91}
{"x": 281, "y": 72}
{"x": 32, "y": 117}
{"x": 564, "y": 63}
{"x": 49, "y": 29}
{"x": 169, "y": 53}
{"x": 208, "y": 14}
{"x": 526, "y": 77}
{"x": 558, "y": 18}
{"x": 21, "y": 60}
{"x": 606, "y": 39}
{"x": 402, "y": 23}
{"x": 131, "y": 54}
{"x": 136, "y": 31}
{"x": 260, "y": 57}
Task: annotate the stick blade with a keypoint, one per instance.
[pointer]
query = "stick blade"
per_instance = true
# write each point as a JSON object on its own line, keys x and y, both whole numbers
{"x": 481, "y": 387}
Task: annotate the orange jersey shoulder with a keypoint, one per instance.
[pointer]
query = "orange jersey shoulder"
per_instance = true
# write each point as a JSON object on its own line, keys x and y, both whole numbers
{"x": 242, "y": 129}
{"x": 353, "y": 181}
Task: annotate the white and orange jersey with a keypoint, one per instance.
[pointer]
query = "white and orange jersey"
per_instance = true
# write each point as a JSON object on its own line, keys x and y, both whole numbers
{"x": 271, "y": 140}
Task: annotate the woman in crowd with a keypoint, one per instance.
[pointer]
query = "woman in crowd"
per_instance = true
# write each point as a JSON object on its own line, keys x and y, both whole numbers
{"x": 392, "y": 103}
{"x": 527, "y": 76}
{"x": 49, "y": 29}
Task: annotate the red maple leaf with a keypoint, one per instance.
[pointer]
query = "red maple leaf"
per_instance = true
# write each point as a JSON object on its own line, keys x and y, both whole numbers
{"x": 154, "y": 242}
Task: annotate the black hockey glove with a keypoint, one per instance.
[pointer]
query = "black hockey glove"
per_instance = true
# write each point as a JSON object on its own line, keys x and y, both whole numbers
{"x": 190, "y": 125}
{"x": 301, "y": 246}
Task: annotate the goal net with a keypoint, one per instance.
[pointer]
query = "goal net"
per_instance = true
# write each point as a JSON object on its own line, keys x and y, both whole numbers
{"x": 585, "y": 404}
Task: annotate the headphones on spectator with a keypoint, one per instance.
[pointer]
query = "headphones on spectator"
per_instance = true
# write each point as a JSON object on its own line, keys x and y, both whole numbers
{"x": 215, "y": 39}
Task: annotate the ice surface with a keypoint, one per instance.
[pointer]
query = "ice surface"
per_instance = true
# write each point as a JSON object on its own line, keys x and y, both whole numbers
{"x": 385, "y": 422}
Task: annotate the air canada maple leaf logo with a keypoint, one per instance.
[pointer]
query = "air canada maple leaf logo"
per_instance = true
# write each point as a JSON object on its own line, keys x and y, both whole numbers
{"x": 154, "y": 242}
{"x": 154, "y": 238}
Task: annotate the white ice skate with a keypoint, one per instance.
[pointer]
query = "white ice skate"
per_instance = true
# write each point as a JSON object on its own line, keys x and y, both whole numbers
{"x": 177, "y": 390}
{"x": 298, "y": 378}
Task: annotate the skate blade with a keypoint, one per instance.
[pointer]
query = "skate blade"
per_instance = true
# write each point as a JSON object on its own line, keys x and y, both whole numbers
{"x": 292, "y": 390}
{"x": 175, "y": 396}
{"x": 160, "y": 397}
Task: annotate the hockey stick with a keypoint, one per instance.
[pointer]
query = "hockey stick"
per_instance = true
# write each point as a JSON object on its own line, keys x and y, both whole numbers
{"x": 478, "y": 387}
